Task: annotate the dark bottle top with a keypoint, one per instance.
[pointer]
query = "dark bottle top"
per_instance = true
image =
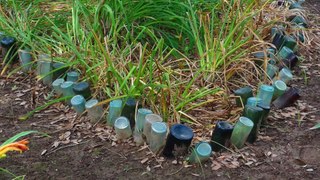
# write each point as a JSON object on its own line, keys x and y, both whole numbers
{"x": 255, "y": 114}
{"x": 278, "y": 40}
{"x": 9, "y": 51}
{"x": 220, "y": 135}
{"x": 291, "y": 61}
{"x": 244, "y": 94}
{"x": 8, "y": 42}
{"x": 129, "y": 110}
{"x": 287, "y": 99}
{"x": 290, "y": 42}
{"x": 59, "y": 70}
{"x": 265, "y": 113}
{"x": 82, "y": 88}
{"x": 178, "y": 140}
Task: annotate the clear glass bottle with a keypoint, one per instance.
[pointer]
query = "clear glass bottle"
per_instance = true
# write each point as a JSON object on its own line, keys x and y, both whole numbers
{"x": 149, "y": 119}
{"x": 122, "y": 128}
{"x": 95, "y": 111}
{"x": 158, "y": 136}
{"x": 200, "y": 153}
{"x": 272, "y": 70}
{"x": 57, "y": 86}
{"x": 220, "y": 135}
{"x": 265, "y": 93}
{"x": 285, "y": 75}
{"x": 141, "y": 118}
{"x": 25, "y": 59}
{"x": 78, "y": 103}
{"x": 241, "y": 132}
{"x": 115, "y": 108}
{"x": 44, "y": 71}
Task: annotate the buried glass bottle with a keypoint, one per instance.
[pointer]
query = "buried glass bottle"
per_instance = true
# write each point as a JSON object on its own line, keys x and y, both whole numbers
{"x": 220, "y": 135}
{"x": 279, "y": 88}
{"x": 285, "y": 75}
{"x": 129, "y": 110}
{"x": 265, "y": 94}
{"x": 200, "y": 153}
{"x": 78, "y": 104}
{"x": 272, "y": 70}
{"x": 241, "y": 132}
{"x": 83, "y": 89}
{"x": 115, "y": 108}
{"x": 158, "y": 136}
{"x": 291, "y": 61}
{"x": 290, "y": 42}
{"x": 73, "y": 76}
{"x": 44, "y": 68}
{"x": 299, "y": 20}
{"x": 66, "y": 88}
{"x": 244, "y": 94}
{"x": 25, "y": 59}
{"x": 178, "y": 140}
{"x": 149, "y": 119}
{"x": 57, "y": 86}
{"x": 59, "y": 70}
{"x": 287, "y": 99}
{"x": 265, "y": 113}
{"x": 8, "y": 48}
{"x": 122, "y": 128}
{"x": 255, "y": 115}
{"x": 278, "y": 40}
{"x": 95, "y": 111}
{"x": 284, "y": 53}
{"x": 253, "y": 101}
{"x": 141, "y": 118}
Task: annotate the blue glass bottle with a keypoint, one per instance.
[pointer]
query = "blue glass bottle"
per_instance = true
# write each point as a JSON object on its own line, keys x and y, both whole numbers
{"x": 115, "y": 108}
{"x": 78, "y": 104}
{"x": 265, "y": 93}
{"x": 200, "y": 153}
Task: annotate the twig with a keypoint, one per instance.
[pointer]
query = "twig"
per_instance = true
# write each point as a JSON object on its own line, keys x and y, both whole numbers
{"x": 175, "y": 172}
{"x": 63, "y": 147}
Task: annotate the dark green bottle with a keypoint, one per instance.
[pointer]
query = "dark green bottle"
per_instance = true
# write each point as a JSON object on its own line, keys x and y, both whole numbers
{"x": 255, "y": 114}
{"x": 83, "y": 89}
{"x": 220, "y": 135}
{"x": 59, "y": 69}
{"x": 244, "y": 94}
{"x": 290, "y": 42}
{"x": 265, "y": 113}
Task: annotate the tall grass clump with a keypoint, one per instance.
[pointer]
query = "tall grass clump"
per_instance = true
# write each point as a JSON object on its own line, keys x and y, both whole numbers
{"x": 171, "y": 55}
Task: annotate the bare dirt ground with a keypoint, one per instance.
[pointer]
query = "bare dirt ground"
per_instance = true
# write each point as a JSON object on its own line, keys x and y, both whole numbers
{"x": 78, "y": 149}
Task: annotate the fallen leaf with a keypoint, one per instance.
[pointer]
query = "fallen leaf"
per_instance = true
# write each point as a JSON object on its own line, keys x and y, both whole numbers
{"x": 43, "y": 152}
{"x": 215, "y": 165}
{"x": 144, "y": 160}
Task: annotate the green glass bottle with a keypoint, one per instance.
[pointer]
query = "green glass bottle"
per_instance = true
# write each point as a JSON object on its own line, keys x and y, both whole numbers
{"x": 255, "y": 114}
{"x": 265, "y": 113}
{"x": 241, "y": 132}
{"x": 244, "y": 94}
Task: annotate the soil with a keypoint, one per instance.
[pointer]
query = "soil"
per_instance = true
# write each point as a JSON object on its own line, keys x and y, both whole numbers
{"x": 78, "y": 149}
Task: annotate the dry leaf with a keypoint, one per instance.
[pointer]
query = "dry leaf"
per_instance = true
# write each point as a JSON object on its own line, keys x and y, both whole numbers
{"x": 144, "y": 160}
{"x": 215, "y": 165}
